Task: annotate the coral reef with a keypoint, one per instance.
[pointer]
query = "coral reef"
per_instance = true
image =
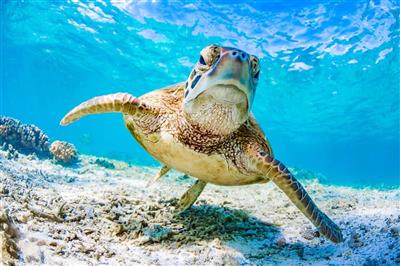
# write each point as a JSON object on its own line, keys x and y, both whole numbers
{"x": 24, "y": 138}
{"x": 96, "y": 215}
{"x": 63, "y": 152}
{"x": 11, "y": 152}
{"x": 16, "y": 137}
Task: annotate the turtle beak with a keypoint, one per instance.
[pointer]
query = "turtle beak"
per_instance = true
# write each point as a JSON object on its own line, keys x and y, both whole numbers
{"x": 229, "y": 79}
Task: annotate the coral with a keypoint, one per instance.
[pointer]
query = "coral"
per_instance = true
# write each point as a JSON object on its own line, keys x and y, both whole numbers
{"x": 112, "y": 212}
{"x": 64, "y": 152}
{"x": 11, "y": 152}
{"x": 24, "y": 138}
{"x": 29, "y": 139}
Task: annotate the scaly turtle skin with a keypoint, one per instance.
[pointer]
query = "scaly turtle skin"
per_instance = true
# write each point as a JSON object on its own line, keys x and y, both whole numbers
{"x": 203, "y": 127}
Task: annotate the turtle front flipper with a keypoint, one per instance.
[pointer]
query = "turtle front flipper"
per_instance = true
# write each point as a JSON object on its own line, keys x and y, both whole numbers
{"x": 281, "y": 176}
{"x": 117, "y": 102}
{"x": 190, "y": 196}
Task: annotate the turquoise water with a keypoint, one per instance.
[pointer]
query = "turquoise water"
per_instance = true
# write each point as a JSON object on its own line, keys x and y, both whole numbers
{"x": 328, "y": 96}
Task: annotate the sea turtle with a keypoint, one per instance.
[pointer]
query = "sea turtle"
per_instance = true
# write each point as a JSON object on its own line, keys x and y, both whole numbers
{"x": 203, "y": 127}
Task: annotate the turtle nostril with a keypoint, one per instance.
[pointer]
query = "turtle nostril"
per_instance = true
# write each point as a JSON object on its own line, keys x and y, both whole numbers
{"x": 242, "y": 56}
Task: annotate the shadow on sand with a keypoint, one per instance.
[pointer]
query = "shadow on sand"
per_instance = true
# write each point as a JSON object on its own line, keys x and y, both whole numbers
{"x": 210, "y": 225}
{"x": 157, "y": 225}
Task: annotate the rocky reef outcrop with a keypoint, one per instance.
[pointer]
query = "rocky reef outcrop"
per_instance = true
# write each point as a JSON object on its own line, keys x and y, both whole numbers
{"x": 23, "y": 137}
{"x": 17, "y": 137}
{"x": 64, "y": 152}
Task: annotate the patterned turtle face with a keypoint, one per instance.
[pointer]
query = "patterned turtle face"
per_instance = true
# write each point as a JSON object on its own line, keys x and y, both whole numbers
{"x": 220, "y": 89}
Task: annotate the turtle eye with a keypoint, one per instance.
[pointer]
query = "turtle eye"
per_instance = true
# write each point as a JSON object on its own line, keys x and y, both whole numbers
{"x": 255, "y": 67}
{"x": 202, "y": 61}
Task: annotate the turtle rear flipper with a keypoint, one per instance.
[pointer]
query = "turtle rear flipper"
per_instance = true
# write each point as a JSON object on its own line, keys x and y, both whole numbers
{"x": 281, "y": 176}
{"x": 190, "y": 196}
{"x": 117, "y": 102}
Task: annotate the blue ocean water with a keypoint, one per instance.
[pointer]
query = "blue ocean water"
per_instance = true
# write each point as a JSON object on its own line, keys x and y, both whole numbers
{"x": 328, "y": 96}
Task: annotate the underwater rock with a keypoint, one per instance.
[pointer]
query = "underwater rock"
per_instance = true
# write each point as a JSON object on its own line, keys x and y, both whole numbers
{"x": 155, "y": 233}
{"x": 355, "y": 241}
{"x": 64, "y": 152}
{"x": 23, "y": 137}
{"x": 11, "y": 153}
{"x": 370, "y": 262}
{"x": 281, "y": 242}
{"x": 104, "y": 163}
{"x": 309, "y": 233}
{"x": 23, "y": 217}
{"x": 117, "y": 229}
{"x": 8, "y": 235}
{"x": 3, "y": 190}
{"x": 397, "y": 259}
{"x": 395, "y": 231}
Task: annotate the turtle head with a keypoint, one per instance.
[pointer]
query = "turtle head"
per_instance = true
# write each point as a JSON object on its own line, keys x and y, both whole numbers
{"x": 220, "y": 89}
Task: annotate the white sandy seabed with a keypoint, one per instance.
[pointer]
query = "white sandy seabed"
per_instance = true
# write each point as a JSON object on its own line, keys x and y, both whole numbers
{"x": 100, "y": 212}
